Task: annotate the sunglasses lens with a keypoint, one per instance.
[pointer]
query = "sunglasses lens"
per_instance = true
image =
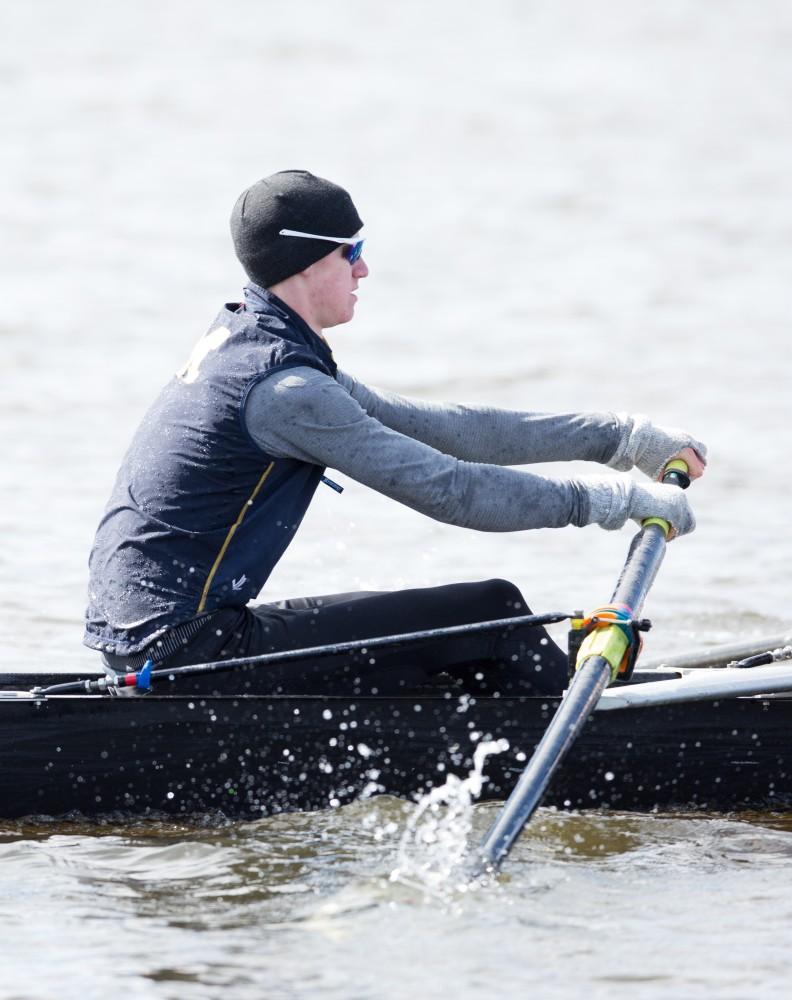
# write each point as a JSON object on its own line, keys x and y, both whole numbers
{"x": 353, "y": 252}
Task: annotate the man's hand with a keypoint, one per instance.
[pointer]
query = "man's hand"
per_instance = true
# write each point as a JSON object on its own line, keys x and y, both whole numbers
{"x": 695, "y": 463}
{"x": 650, "y": 448}
{"x": 614, "y": 499}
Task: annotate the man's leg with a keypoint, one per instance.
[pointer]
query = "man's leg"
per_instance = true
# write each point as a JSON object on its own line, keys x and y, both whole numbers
{"x": 520, "y": 660}
{"x": 515, "y": 661}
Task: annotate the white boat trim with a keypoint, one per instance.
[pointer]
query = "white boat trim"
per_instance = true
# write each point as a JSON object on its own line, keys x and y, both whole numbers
{"x": 709, "y": 685}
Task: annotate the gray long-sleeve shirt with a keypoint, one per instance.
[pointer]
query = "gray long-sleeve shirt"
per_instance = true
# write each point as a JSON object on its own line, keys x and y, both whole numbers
{"x": 445, "y": 460}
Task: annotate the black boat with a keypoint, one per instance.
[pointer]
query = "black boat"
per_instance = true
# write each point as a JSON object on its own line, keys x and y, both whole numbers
{"x": 215, "y": 738}
{"x": 247, "y": 755}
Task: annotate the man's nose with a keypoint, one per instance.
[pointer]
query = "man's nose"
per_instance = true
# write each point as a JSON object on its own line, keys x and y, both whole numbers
{"x": 360, "y": 268}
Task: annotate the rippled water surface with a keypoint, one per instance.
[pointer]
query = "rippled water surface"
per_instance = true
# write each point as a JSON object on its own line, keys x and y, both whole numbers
{"x": 302, "y": 906}
{"x": 568, "y": 206}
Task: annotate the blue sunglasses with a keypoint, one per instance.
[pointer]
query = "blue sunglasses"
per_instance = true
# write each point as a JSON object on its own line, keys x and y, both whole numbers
{"x": 353, "y": 247}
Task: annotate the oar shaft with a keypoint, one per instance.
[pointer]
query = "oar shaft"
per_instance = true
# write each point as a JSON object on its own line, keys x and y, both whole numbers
{"x": 643, "y": 561}
{"x": 598, "y": 660}
{"x": 721, "y": 654}
{"x": 578, "y": 704}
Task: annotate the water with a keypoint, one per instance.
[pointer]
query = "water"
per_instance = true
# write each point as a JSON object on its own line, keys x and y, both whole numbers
{"x": 567, "y": 207}
{"x": 435, "y": 847}
{"x": 301, "y": 906}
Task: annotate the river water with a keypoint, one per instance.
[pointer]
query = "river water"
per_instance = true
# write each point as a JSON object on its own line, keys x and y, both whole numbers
{"x": 567, "y": 207}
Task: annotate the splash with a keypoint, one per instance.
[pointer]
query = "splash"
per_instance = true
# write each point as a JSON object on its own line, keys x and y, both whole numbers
{"x": 434, "y": 845}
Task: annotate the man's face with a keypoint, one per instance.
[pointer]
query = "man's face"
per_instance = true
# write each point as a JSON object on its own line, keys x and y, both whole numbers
{"x": 331, "y": 285}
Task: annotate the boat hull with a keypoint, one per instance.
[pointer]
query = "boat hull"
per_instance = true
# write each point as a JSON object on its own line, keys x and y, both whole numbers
{"x": 252, "y": 756}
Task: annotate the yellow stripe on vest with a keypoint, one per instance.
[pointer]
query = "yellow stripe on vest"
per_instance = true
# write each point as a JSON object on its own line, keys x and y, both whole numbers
{"x": 229, "y": 536}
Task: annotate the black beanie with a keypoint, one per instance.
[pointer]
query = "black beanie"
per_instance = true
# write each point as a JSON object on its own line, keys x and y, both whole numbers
{"x": 291, "y": 199}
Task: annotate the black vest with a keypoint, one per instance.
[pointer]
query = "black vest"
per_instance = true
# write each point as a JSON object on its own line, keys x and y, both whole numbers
{"x": 199, "y": 514}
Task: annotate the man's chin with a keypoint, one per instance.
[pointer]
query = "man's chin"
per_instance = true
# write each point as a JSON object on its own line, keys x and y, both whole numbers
{"x": 340, "y": 322}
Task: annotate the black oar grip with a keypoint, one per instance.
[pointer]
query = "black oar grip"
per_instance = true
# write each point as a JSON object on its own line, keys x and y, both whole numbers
{"x": 676, "y": 474}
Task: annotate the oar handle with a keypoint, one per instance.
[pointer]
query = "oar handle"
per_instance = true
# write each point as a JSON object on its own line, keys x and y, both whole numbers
{"x": 674, "y": 474}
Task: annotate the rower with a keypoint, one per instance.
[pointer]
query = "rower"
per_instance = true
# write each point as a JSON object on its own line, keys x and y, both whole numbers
{"x": 224, "y": 465}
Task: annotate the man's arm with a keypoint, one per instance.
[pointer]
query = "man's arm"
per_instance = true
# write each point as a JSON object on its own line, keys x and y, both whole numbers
{"x": 513, "y": 437}
{"x": 489, "y": 434}
{"x": 302, "y": 413}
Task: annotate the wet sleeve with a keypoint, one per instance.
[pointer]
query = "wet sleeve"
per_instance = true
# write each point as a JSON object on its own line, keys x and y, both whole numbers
{"x": 304, "y": 414}
{"x": 489, "y": 434}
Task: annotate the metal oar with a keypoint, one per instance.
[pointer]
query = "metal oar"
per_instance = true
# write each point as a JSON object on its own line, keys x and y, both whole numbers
{"x": 725, "y": 653}
{"x": 143, "y": 678}
{"x": 599, "y": 660}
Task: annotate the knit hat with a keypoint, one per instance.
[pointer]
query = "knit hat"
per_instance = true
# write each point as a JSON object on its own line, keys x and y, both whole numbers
{"x": 291, "y": 199}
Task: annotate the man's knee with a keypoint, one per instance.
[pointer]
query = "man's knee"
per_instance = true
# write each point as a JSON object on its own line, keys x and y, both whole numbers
{"x": 506, "y": 596}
